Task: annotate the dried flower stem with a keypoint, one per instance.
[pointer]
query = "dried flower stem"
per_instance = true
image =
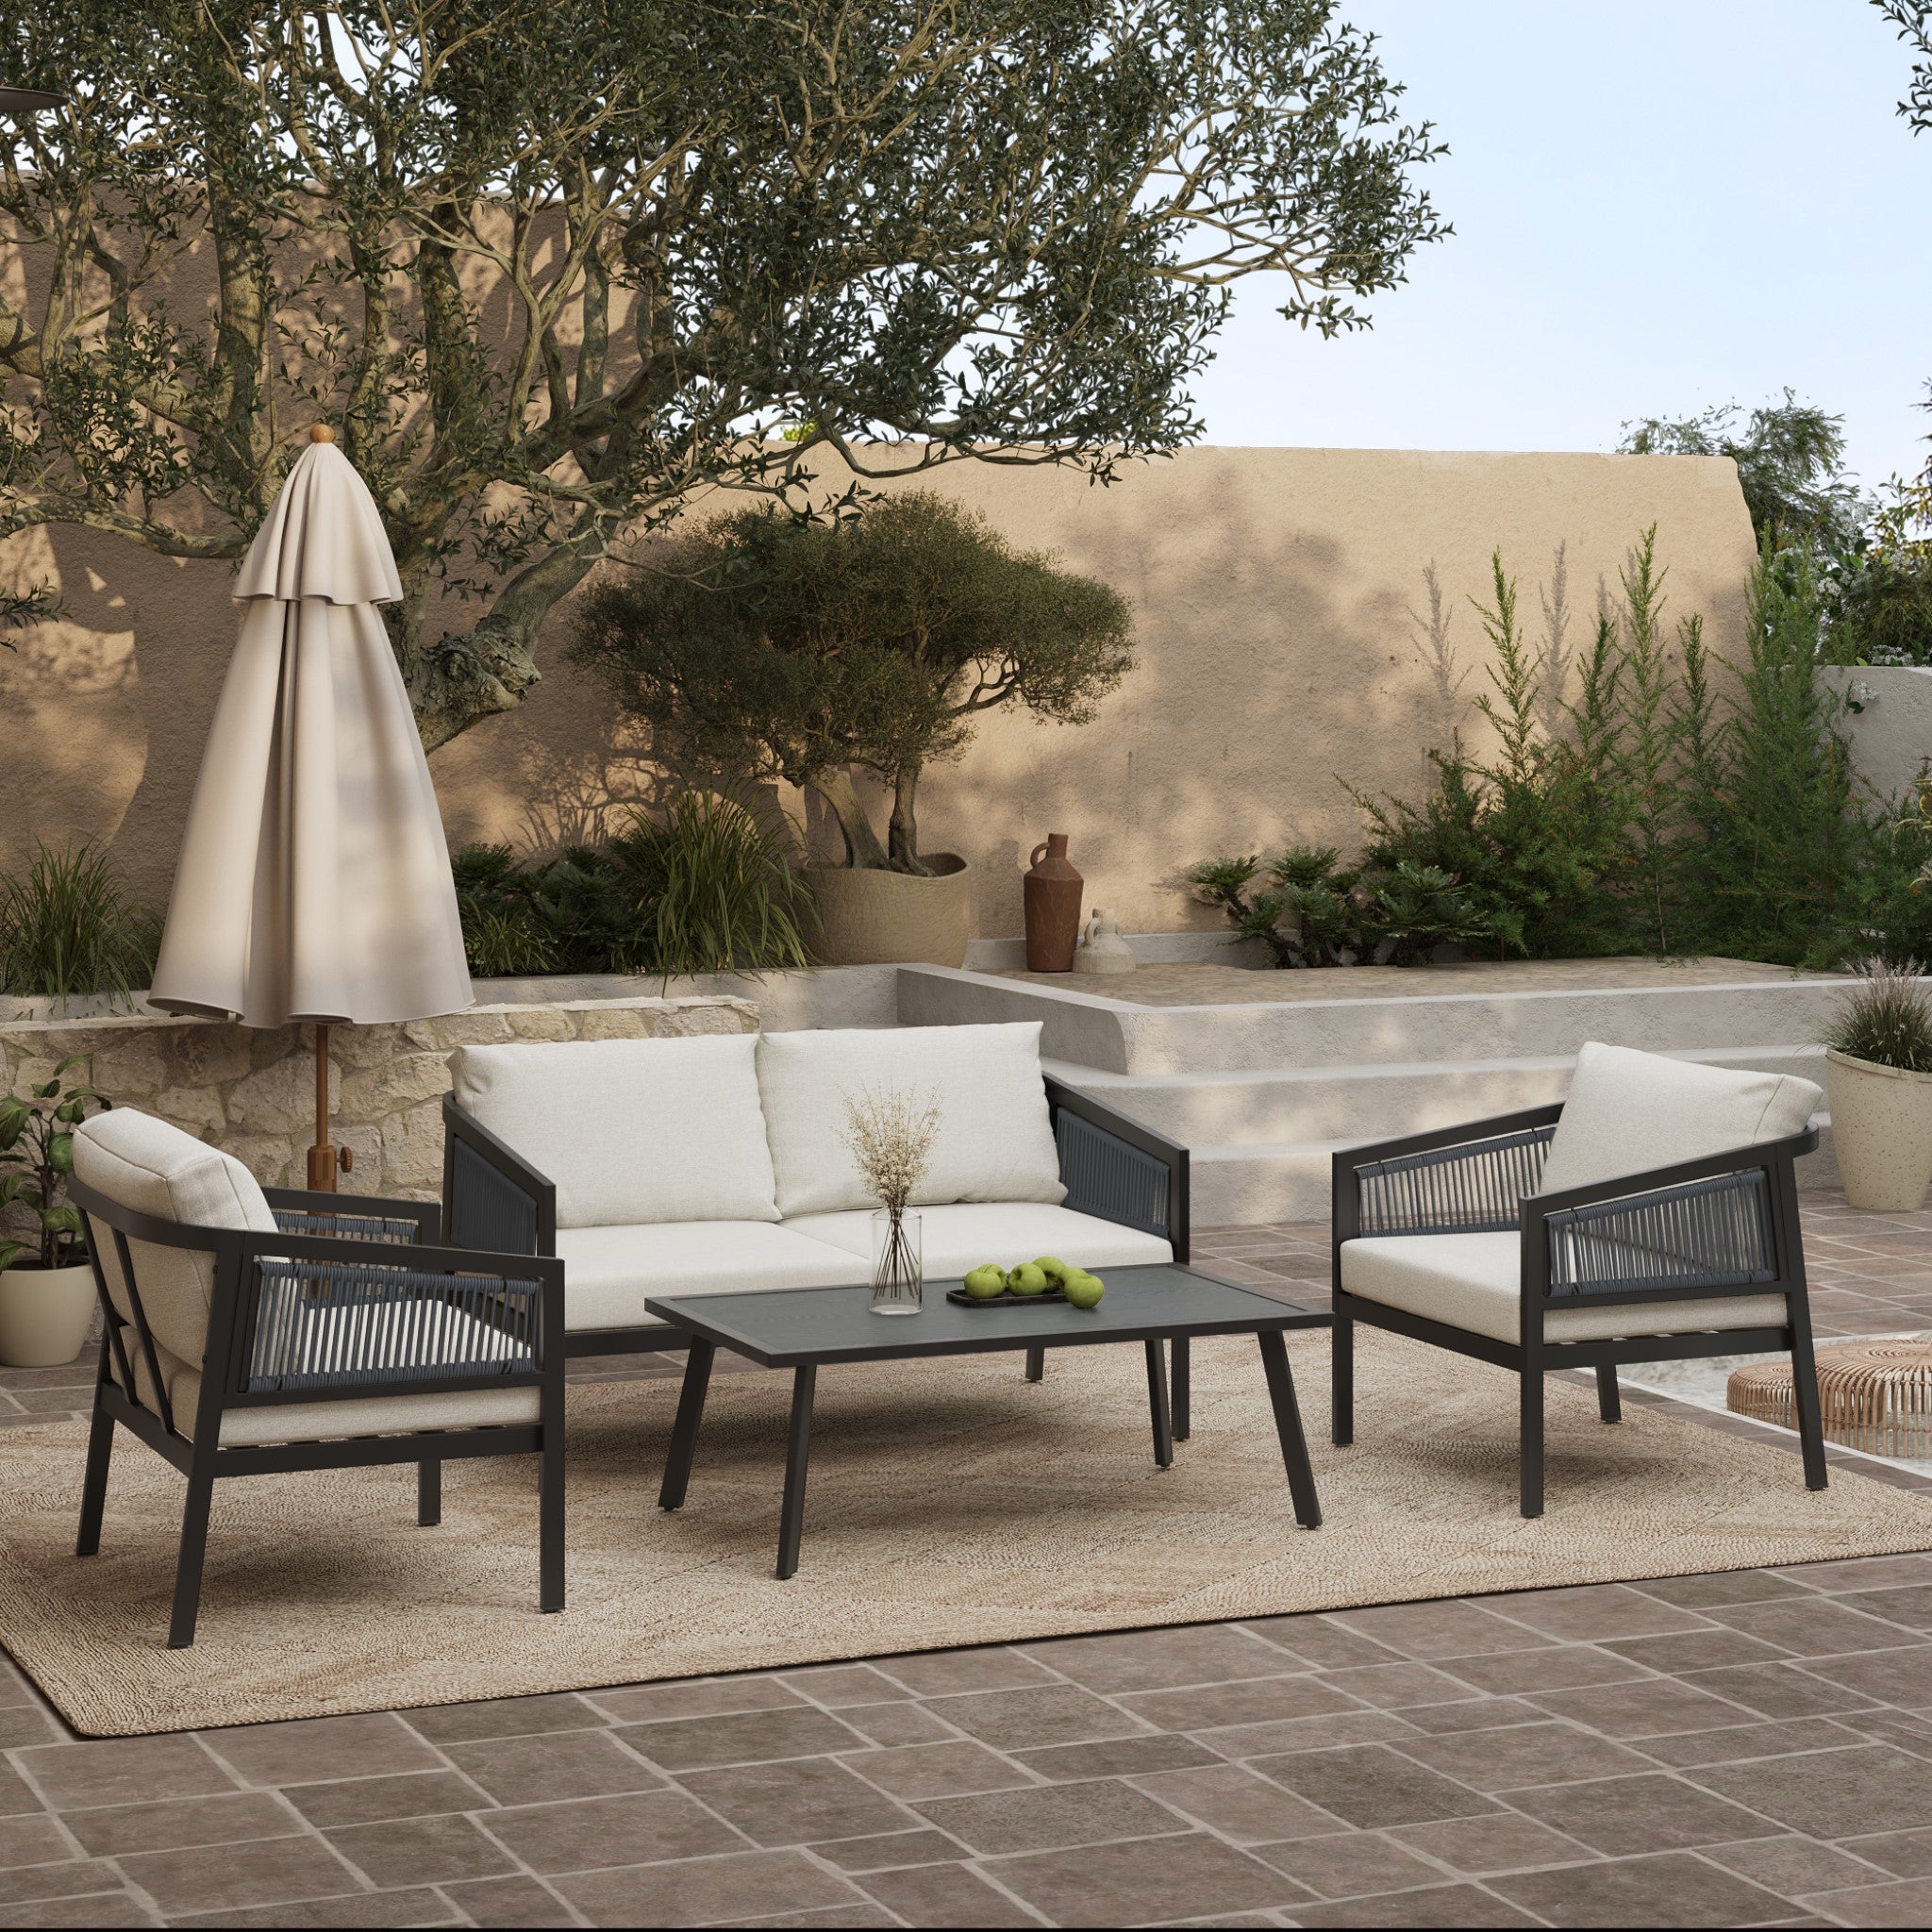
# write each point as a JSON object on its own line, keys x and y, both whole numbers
{"x": 890, "y": 1132}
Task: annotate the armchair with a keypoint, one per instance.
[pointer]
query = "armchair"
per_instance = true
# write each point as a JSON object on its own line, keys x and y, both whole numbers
{"x": 1527, "y": 1241}
{"x": 251, "y": 1333}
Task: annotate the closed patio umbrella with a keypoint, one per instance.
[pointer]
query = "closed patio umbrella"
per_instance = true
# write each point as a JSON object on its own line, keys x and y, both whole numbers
{"x": 314, "y": 881}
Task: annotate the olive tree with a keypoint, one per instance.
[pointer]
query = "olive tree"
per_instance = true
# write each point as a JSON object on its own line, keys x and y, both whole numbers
{"x": 551, "y": 269}
{"x": 795, "y": 648}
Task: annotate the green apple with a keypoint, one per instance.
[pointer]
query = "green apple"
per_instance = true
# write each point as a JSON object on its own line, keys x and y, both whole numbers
{"x": 1053, "y": 1267}
{"x": 1084, "y": 1290}
{"x": 1026, "y": 1279}
{"x": 983, "y": 1283}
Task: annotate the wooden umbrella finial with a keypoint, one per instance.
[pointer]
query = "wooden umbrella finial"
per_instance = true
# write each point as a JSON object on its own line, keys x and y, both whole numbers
{"x": 321, "y": 432}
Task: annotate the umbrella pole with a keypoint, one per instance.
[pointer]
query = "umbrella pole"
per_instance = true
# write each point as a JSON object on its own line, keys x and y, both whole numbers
{"x": 321, "y": 1156}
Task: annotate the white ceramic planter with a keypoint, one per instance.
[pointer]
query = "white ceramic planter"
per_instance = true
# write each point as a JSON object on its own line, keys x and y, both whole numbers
{"x": 1881, "y": 1126}
{"x": 44, "y": 1314}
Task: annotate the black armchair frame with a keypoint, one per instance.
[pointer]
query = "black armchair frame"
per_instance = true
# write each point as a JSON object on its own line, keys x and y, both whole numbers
{"x": 1724, "y": 1224}
{"x": 1114, "y": 1169}
{"x": 382, "y": 1252}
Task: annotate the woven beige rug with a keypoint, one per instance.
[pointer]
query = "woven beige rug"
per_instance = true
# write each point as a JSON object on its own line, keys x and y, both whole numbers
{"x": 951, "y": 1503}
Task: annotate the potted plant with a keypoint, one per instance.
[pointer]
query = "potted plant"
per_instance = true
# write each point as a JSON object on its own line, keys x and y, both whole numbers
{"x": 807, "y": 648}
{"x": 1879, "y": 1075}
{"x": 47, "y": 1297}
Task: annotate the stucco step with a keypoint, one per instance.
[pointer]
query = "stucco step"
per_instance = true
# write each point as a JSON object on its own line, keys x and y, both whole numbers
{"x": 1242, "y": 1186}
{"x": 1457, "y": 1028}
{"x": 1307, "y": 1104}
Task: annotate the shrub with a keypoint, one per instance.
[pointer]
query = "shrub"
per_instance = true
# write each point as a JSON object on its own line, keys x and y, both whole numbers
{"x": 69, "y": 926}
{"x": 36, "y": 1142}
{"x": 1887, "y": 1018}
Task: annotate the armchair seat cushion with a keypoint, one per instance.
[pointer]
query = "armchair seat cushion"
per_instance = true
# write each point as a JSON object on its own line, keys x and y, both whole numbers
{"x": 1473, "y": 1282}
{"x": 610, "y": 1271}
{"x": 961, "y": 1236}
{"x": 327, "y": 1422}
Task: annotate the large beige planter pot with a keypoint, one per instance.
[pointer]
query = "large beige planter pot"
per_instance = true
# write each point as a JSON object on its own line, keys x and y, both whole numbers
{"x": 891, "y": 918}
{"x": 44, "y": 1314}
{"x": 1881, "y": 1126}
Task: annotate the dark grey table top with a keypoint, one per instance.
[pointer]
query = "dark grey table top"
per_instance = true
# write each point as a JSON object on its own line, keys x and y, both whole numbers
{"x": 785, "y": 1326}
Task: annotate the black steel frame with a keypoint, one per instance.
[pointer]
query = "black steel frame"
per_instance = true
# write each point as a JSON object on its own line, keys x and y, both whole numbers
{"x": 397, "y": 1240}
{"x": 1268, "y": 1331}
{"x": 1757, "y": 1249}
{"x": 1114, "y": 1169}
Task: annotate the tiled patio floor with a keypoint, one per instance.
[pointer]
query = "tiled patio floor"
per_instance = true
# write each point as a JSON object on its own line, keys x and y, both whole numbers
{"x": 1751, "y": 1749}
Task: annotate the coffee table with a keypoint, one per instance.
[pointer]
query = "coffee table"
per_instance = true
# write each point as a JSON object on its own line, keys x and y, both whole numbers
{"x": 804, "y": 1329}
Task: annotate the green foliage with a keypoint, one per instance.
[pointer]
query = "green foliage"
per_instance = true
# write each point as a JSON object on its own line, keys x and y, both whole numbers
{"x": 794, "y": 649}
{"x": 1676, "y": 807}
{"x": 555, "y": 269}
{"x": 69, "y": 926}
{"x": 1886, "y": 1019}
{"x": 710, "y": 889}
{"x": 1878, "y": 595}
{"x": 37, "y": 1144}
{"x": 1790, "y": 458}
{"x": 1913, "y": 20}
{"x": 1312, "y": 912}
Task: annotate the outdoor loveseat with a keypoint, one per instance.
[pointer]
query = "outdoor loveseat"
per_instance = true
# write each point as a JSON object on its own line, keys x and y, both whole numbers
{"x": 718, "y": 1164}
{"x": 1652, "y": 1215}
{"x": 252, "y": 1332}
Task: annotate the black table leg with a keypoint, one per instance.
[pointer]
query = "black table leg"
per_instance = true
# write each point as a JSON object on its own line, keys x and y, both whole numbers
{"x": 684, "y": 1431}
{"x": 1157, "y": 1402}
{"x": 797, "y": 1452}
{"x": 1036, "y": 1364}
{"x": 1180, "y": 1380}
{"x": 1288, "y": 1425}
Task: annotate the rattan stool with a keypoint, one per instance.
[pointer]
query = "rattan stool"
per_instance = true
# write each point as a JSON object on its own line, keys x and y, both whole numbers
{"x": 1875, "y": 1396}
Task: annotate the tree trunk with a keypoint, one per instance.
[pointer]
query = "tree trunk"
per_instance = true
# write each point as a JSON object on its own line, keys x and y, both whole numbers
{"x": 863, "y": 847}
{"x": 904, "y": 831}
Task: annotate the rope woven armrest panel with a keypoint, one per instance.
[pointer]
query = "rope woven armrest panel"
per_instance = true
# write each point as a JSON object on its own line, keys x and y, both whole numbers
{"x": 1110, "y": 1180}
{"x": 487, "y": 1208}
{"x": 1704, "y": 1233}
{"x": 341, "y": 1325}
{"x": 362, "y": 1227}
{"x": 1475, "y": 1188}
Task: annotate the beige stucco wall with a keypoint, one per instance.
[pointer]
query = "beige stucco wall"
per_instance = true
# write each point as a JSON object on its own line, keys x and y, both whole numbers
{"x": 1282, "y": 612}
{"x": 1891, "y": 731}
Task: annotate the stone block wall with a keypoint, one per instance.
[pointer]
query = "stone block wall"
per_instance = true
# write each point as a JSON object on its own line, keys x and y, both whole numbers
{"x": 252, "y": 1092}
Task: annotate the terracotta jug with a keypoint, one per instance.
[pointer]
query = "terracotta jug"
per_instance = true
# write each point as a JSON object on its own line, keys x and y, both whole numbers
{"x": 1053, "y": 890}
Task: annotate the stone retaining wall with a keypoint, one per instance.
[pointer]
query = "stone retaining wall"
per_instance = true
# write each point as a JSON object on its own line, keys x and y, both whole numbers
{"x": 252, "y": 1092}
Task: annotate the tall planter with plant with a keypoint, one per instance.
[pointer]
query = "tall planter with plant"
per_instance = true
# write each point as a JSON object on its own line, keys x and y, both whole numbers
{"x": 813, "y": 649}
{"x": 1878, "y": 1077}
{"x": 47, "y": 1297}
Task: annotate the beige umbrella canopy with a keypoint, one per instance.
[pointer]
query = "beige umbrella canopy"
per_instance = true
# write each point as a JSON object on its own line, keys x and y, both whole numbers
{"x": 314, "y": 881}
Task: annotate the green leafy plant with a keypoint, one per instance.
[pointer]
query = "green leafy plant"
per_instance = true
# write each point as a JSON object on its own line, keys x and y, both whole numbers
{"x": 69, "y": 927}
{"x": 1312, "y": 912}
{"x": 711, "y": 889}
{"x": 797, "y": 649}
{"x": 36, "y": 1143}
{"x": 1886, "y": 1017}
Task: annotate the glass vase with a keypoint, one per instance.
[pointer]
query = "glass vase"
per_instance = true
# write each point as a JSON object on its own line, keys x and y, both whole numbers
{"x": 897, "y": 1276}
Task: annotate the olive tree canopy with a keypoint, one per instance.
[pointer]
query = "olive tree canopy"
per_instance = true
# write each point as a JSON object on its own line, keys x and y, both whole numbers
{"x": 794, "y": 648}
{"x": 550, "y": 268}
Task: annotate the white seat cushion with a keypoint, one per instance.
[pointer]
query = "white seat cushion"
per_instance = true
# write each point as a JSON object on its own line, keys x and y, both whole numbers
{"x": 154, "y": 1168}
{"x": 630, "y": 1130}
{"x": 326, "y": 1422}
{"x": 1627, "y": 1112}
{"x": 1473, "y": 1282}
{"x": 962, "y": 1235}
{"x": 609, "y": 1271}
{"x": 994, "y": 1142}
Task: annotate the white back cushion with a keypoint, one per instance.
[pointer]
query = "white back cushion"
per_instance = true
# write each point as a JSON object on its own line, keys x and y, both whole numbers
{"x": 1630, "y": 1112}
{"x": 994, "y": 1141}
{"x": 630, "y": 1130}
{"x": 146, "y": 1164}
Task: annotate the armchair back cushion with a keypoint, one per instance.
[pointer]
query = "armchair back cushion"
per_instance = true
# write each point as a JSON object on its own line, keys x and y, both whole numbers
{"x": 1628, "y": 1113}
{"x": 155, "y": 1169}
{"x": 630, "y": 1130}
{"x": 995, "y": 1142}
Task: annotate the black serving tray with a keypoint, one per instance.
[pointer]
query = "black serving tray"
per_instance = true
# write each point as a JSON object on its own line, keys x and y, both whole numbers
{"x": 1005, "y": 1298}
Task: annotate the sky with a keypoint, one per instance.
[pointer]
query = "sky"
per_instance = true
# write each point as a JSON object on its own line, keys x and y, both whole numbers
{"x": 1659, "y": 204}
